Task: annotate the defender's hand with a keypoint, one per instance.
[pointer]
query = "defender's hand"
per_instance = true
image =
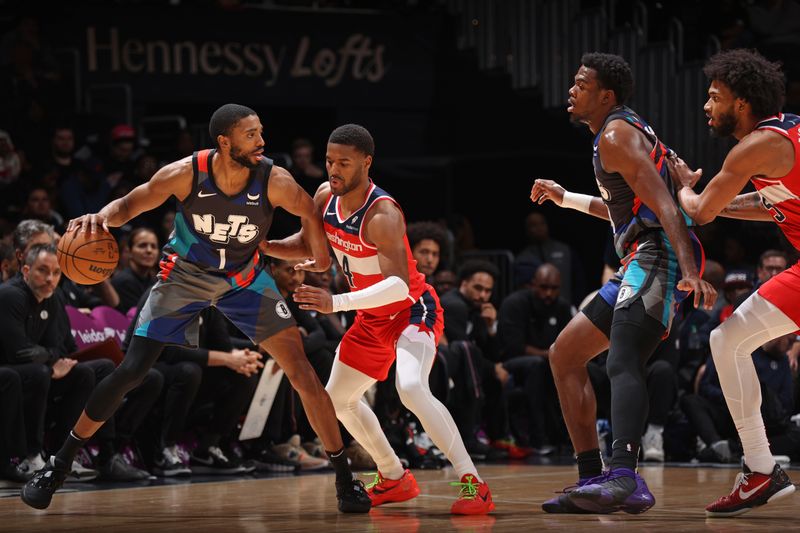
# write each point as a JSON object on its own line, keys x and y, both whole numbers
{"x": 703, "y": 291}
{"x": 547, "y": 190}
{"x": 313, "y": 299}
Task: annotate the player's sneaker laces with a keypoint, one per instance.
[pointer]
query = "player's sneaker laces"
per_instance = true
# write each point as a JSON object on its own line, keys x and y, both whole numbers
{"x": 353, "y": 497}
{"x": 382, "y": 490}
{"x": 473, "y": 498}
{"x": 38, "y": 492}
{"x": 752, "y": 489}
{"x": 561, "y": 504}
{"x": 620, "y": 489}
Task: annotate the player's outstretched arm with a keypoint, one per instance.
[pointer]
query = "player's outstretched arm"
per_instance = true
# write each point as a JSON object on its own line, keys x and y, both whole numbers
{"x": 286, "y": 193}
{"x": 761, "y": 153}
{"x": 543, "y": 190}
{"x": 173, "y": 179}
{"x": 624, "y": 150}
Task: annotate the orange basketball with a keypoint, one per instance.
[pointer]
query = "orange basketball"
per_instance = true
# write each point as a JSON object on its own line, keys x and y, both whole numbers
{"x": 88, "y": 258}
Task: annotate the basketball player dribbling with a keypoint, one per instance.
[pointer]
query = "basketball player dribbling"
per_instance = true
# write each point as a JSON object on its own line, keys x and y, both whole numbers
{"x": 661, "y": 263}
{"x": 399, "y": 318}
{"x": 226, "y": 199}
{"x": 744, "y": 101}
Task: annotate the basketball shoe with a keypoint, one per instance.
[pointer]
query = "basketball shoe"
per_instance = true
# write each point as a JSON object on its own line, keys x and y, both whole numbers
{"x": 353, "y": 497}
{"x": 474, "y": 497}
{"x": 383, "y": 490}
{"x": 38, "y": 492}
{"x": 561, "y": 504}
{"x": 752, "y": 489}
{"x": 619, "y": 489}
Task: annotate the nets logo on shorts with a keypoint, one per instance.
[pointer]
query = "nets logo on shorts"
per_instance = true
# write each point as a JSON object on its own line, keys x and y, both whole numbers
{"x": 624, "y": 293}
{"x": 282, "y": 310}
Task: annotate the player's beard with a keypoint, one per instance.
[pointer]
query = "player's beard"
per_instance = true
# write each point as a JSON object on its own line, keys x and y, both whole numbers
{"x": 724, "y": 126}
{"x": 348, "y": 186}
{"x": 243, "y": 159}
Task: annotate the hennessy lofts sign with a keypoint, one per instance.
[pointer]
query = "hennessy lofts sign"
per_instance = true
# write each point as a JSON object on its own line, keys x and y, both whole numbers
{"x": 258, "y": 56}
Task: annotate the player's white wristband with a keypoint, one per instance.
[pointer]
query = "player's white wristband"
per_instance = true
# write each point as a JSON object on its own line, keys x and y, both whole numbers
{"x": 387, "y": 291}
{"x": 579, "y": 202}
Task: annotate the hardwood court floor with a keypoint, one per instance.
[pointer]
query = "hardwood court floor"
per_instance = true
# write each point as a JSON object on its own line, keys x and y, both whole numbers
{"x": 307, "y": 503}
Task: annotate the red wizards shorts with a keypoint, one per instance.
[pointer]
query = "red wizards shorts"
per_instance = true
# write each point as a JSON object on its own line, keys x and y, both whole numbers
{"x": 369, "y": 344}
{"x": 783, "y": 291}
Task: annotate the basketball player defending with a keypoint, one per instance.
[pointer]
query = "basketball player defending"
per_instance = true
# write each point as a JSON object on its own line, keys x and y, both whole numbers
{"x": 399, "y": 317}
{"x": 745, "y": 100}
{"x": 632, "y": 312}
{"x": 226, "y": 199}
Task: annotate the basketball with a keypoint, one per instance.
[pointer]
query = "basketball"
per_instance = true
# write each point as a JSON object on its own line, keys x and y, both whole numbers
{"x": 88, "y": 258}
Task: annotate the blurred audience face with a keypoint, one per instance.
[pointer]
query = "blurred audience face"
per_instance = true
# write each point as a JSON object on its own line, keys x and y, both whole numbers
{"x": 478, "y": 288}
{"x": 536, "y": 228}
{"x": 9, "y": 268}
{"x": 168, "y": 223}
{"x": 302, "y": 157}
{"x": 122, "y": 150}
{"x": 36, "y": 238}
{"x": 146, "y": 166}
{"x": 63, "y": 142}
{"x": 286, "y": 277}
{"x": 144, "y": 250}
{"x": 547, "y": 284}
{"x": 714, "y": 273}
{"x": 426, "y": 252}
{"x": 444, "y": 280}
{"x": 320, "y": 279}
{"x": 347, "y": 168}
{"x": 184, "y": 145}
{"x": 42, "y": 276}
{"x": 38, "y": 204}
{"x": 771, "y": 266}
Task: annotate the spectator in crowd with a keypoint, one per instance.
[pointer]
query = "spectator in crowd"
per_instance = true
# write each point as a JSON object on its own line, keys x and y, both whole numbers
{"x": 38, "y": 206}
{"x": 9, "y": 266}
{"x": 120, "y": 162}
{"x": 140, "y": 273}
{"x": 214, "y": 373}
{"x": 84, "y": 190}
{"x": 542, "y": 248}
{"x": 709, "y": 415}
{"x": 530, "y": 319}
{"x": 10, "y": 161}
{"x": 13, "y": 445}
{"x": 36, "y": 340}
{"x": 60, "y": 162}
{"x": 444, "y": 281}
{"x": 427, "y": 241}
{"x": 473, "y": 359}
{"x": 303, "y": 168}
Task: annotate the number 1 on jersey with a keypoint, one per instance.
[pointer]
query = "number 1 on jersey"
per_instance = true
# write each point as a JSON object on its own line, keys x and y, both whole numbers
{"x": 221, "y": 258}
{"x": 346, "y": 270}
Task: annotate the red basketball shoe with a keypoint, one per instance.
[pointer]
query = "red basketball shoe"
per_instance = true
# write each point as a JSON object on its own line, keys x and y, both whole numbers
{"x": 752, "y": 489}
{"x": 474, "y": 498}
{"x": 382, "y": 490}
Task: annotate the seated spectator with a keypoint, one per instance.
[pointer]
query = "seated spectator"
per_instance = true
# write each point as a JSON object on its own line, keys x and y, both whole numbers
{"x": 710, "y": 418}
{"x": 307, "y": 173}
{"x": 427, "y": 240}
{"x": 38, "y": 207}
{"x": 10, "y": 161}
{"x": 530, "y": 319}
{"x": 213, "y": 373}
{"x": 9, "y": 266}
{"x": 85, "y": 190}
{"x": 16, "y": 458}
{"x": 36, "y": 341}
{"x": 444, "y": 281}
{"x": 140, "y": 273}
{"x": 470, "y": 330}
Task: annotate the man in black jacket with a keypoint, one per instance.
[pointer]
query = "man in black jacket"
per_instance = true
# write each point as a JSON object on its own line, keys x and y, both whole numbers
{"x": 36, "y": 342}
{"x": 530, "y": 320}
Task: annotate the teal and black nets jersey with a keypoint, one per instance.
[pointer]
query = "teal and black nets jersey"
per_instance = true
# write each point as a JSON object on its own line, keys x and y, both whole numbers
{"x": 217, "y": 232}
{"x": 629, "y": 216}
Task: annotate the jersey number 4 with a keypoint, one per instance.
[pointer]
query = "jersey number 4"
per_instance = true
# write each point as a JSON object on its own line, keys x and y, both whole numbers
{"x": 346, "y": 271}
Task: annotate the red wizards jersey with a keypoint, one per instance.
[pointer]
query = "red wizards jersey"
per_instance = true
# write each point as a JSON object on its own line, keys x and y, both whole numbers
{"x": 359, "y": 259}
{"x": 781, "y": 196}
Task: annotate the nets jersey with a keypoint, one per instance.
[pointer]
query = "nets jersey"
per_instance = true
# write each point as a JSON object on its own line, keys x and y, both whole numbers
{"x": 629, "y": 216}
{"x": 781, "y": 196}
{"x": 359, "y": 259}
{"x": 219, "y": 232}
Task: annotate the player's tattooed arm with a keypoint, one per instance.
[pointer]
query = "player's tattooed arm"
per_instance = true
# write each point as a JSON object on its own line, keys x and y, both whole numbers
{"x": 747, "y": 207}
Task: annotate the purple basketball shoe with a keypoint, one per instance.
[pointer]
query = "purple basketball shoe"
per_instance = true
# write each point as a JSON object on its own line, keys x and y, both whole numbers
{"x": 620, "y": 489}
